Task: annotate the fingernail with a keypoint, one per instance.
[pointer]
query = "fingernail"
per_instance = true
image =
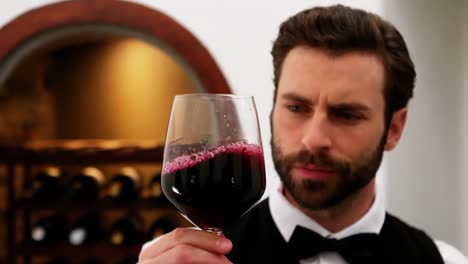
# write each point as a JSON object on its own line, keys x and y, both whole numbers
{"x": 223, "y": 244}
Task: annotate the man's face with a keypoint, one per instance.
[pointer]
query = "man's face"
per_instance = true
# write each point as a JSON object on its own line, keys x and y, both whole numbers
{"x": 328, "y": 125}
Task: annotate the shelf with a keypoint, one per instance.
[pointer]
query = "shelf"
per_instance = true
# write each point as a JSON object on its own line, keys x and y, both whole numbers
{"x": 93, "y": 250}
{"x": 84, "y": 151}
{"x": 20, "y": 161}
{"x": 146, "y": 203}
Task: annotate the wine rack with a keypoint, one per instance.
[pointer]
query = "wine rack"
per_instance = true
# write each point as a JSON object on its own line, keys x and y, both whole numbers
{"x": 22, "y": 163}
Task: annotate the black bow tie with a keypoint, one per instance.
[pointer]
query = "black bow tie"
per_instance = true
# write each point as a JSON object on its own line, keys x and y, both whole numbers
{"x": 356, "y": 249}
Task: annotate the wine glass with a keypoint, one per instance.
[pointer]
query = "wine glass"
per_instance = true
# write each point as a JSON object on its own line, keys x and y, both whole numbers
{"x": 213, "y": 168}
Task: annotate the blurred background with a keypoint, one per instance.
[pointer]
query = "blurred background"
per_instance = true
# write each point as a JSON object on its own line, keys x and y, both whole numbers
{"x": 75, "y": 88}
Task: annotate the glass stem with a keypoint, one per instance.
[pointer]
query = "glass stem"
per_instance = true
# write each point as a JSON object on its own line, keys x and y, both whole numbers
{"x": 215, "y": 230}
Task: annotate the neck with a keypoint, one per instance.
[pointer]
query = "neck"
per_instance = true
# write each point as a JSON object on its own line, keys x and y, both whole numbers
{"x": 346, "y": 213}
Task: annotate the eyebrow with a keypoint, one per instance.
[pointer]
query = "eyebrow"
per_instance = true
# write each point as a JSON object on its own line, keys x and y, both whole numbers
{"x": 297, "y": 98}
{"x": 352, "y": 106}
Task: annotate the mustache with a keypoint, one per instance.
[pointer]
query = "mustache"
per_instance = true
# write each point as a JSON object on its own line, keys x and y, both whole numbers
{"x": 320, "y": 159}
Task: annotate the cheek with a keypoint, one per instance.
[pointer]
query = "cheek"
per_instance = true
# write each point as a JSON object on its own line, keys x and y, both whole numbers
{"x": 358, "y": 147}
{"x": 276, "y": 125}
{"x": 286, "y": 134}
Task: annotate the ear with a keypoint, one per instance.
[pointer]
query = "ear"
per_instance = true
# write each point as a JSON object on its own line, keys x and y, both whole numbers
{"x": 395, "y": 129}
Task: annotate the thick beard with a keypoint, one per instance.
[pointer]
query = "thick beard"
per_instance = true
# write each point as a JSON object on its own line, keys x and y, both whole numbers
{"x": 318, "y": 194}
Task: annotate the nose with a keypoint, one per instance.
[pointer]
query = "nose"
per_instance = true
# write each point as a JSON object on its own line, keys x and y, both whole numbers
{"x": 316, "y": 136}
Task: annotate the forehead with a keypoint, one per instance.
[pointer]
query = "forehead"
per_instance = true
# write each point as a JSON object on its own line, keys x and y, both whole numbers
{"x": 314, "y": 73}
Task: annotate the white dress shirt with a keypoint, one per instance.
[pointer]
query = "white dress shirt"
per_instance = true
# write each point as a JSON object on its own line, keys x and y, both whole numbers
{"x": 287, "y": 217}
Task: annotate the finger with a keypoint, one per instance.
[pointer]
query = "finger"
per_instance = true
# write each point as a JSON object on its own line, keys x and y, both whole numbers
{"x": 187, "y": 254}
{"x": 197, "y": 238}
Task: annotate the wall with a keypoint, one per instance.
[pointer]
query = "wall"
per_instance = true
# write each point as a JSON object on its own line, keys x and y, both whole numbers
{"x": 115, "y": 90}
{"x": 424, "y": 173}
{"x": 464, "y": 146}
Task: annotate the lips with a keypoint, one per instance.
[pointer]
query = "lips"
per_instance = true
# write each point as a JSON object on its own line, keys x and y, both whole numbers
{"x": 312, "y": 172}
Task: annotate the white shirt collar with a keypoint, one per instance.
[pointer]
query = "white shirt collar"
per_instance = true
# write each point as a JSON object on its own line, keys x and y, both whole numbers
{"x": 286, "y": 217}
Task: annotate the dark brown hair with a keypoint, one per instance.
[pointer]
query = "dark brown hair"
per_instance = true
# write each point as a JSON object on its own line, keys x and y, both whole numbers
{"x": 338, "y": 30}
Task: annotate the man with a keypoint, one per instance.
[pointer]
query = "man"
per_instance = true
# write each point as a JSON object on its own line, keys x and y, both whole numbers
{"x": 343, "y": 80}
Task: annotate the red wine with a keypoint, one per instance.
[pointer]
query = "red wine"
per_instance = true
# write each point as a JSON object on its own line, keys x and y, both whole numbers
{"x": 87, "y": 230}
{"x": 125, "y": 185}
{"x": 128, "y": 260}
{"x": 58, "y": 260}
{"x": 48, "y": 230}
{"x": 155, "y": 190}
{"x": 126, "y": 231}
{"x": 91, "y": 261}
{"x": 45, "y": 186}
{"x": 161, "y": 226}
{"x": 85, "y": 186}
{"x": 214, "y": 188}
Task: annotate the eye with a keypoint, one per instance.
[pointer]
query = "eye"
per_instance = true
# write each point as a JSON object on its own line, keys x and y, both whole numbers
{"x": 347, "y": 115}
{"x": 296, "y": 108}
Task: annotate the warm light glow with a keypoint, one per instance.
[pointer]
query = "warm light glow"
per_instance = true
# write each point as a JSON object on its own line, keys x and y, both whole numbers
{"x": 141, "y": 82}
{"x": 124, "y": 90}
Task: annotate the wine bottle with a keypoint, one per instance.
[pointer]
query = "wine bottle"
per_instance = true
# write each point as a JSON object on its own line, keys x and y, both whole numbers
{"x": 161, "y": 226}
{"x": 126, "y": 230}
{"x": 125, "y": 185}
{"x": 155, "y": 190}
{"x": 45, "y": 186}
{"x": 86, "y": 185}
{"x": 91, "y": 261}
{"x": 128, "y": 260}
{"x": 48, "y": 230}
{"x": 87, "y": 230}
{"x": 59, "y": 260}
